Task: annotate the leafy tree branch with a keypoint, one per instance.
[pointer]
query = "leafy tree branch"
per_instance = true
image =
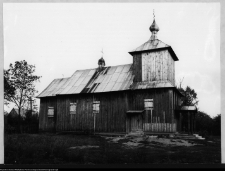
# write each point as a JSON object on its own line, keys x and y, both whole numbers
{"x": 20, "y": 83}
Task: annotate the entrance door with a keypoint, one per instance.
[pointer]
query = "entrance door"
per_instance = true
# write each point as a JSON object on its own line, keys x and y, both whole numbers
{"x": 136, "y": 122}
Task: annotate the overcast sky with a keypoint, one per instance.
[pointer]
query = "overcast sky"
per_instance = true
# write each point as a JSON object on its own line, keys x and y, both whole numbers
{"x": 60, "y": 38}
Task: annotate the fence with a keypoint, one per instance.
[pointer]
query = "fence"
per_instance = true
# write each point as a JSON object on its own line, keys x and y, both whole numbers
{"x": 159, "y": 127}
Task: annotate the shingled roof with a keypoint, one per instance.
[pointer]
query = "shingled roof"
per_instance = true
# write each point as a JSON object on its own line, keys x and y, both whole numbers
{"x": 112, "y": 78}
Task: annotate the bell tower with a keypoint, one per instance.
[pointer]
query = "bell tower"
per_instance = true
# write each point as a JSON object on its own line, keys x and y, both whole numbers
{"x": 154, "y": 60}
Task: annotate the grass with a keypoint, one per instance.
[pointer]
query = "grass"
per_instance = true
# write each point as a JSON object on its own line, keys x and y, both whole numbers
{"x": 54, "y": 149}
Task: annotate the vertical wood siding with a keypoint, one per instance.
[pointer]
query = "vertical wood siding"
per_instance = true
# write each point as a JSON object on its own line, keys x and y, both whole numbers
{"x": 177, "y": 114}
{"x": 112, "y": 116}
{"x": 156, "y": 66}
{"x": 47, "y": 123}
{"x": 137, "y": 64}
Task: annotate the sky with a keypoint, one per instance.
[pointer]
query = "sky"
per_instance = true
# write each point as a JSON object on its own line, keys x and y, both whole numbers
{"x": 60, "y": 38}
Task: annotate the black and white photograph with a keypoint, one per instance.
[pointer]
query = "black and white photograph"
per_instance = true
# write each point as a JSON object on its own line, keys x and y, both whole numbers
{"x": 112, "y": 83}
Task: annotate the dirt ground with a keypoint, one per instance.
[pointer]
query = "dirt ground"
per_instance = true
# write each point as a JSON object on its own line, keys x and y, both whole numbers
{"x": 137, "y": 142}
{"x": 93, "y": 150}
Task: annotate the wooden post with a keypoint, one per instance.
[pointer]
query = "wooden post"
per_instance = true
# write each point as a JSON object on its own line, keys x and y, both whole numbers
{"x": 94, "y": 122}
{"x": 151, "y": 116}
{"x": 146, "y": 119}
{"x": 164, "y": 117}
{"x": 142, "y": 117}
{"x": 164, "y": 121}
{"x": 180, "y": 122}
{"x": 188, "y": 122}
{"x": 194, "y": 122}
{"x": 191, "y": 122}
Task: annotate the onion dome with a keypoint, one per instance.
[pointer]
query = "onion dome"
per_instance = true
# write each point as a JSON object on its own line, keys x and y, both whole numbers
{"x": 154, "y": 26}
{"x": 101, "y": 62}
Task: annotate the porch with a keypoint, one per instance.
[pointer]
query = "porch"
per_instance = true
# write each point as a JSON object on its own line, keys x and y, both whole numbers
{"x": 186, "y": 119}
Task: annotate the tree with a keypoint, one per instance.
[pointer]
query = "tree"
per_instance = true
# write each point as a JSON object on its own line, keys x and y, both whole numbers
{"x": 217, "y": 125}
{"x": 190, "y": 96}
{"x": 204, "y": 123}
{"x": 9, "y": 90}
{"x": 20, "y": 77}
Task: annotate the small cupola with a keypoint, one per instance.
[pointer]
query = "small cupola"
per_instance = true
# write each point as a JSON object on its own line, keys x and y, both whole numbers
{"x": 154, "y": 28}
{"x": 101, "y": 62}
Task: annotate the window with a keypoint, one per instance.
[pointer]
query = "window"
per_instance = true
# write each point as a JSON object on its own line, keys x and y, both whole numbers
{"x": 50, "y": 111}
{"x": 148, "y": 104}
{"x": 96, "y": 105}
{"x": 73, "y": 107}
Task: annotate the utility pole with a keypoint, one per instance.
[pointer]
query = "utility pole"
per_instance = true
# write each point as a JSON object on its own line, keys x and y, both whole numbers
{"x": 30, "y": 99}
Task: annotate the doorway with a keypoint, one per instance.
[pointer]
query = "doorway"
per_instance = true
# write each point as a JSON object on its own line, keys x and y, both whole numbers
{"x": 134, "y": 121}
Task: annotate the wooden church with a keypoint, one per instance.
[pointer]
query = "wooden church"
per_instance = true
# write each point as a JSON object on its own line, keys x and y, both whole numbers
{"x": 122, "y": 98}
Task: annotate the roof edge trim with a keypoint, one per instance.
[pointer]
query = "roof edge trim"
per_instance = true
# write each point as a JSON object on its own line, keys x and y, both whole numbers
{"x": 174, "y": 56}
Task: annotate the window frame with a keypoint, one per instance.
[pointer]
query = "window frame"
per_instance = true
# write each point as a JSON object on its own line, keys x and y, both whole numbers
{"x": 148, "y": 104}
{"x": 96, "y": 107}
{"x": 73, "y": 112}
{"x": 50, "y": 108}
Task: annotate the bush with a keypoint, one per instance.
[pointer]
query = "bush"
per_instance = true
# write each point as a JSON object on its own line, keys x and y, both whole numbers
{"x": 28, "y": 124}
{"x": 204, "y": 124}
{"x": 217, "y": 125}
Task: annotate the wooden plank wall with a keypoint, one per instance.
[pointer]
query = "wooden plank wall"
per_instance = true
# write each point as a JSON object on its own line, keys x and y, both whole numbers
{"x": 82, "y": 120}
{"x": 177, "y": 117}
{"x": 171, "y": 68}
{"x": 113, "y": 107}
{"x": 160, "y": 127}
{"x": 157, "y": 66}
{"x": 162, "y": 104}
{"x": 111, "y": 117}
{"x": 47, "y": 123}
{"x": 137, "y": 64}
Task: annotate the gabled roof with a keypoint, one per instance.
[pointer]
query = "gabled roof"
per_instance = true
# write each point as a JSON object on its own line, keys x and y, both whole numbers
{"x": 55, "y": 86}
{"x": 153, "y": 45}
{"x": 112, "y": 78}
